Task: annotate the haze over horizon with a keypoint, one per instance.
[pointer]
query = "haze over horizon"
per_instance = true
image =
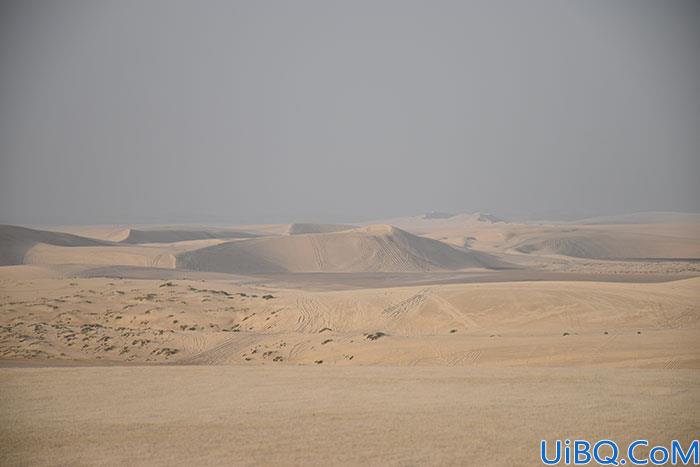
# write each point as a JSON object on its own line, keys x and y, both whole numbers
{"x": 233, "y": 112}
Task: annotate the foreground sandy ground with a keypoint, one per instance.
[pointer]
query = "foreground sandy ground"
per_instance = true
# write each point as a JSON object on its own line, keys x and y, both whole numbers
{"x": 315, "y": 415}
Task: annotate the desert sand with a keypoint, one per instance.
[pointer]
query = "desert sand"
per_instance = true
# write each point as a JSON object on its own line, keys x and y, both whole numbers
{"x": 433, "y": 339}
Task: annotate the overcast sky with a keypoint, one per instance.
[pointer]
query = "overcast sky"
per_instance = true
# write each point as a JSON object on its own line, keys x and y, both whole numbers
{"x": 275, "y": 111}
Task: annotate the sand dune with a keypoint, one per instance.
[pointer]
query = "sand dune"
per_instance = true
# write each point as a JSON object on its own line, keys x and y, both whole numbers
{"x": 135, "y": 234}
{"x": 649, "y": 217}
{"x": 108, "y": 233}
{"x": 610, "y": 245}
{"x": 634, "y": 237}
{"x": 20, "y": 245}
{"x": 372, "y": 248}
{"x": 301, "y": 228}
{"x": 180, "y": 235}
{"x": 439, "y": 221}
{"x": 437, "y": 243}
{"x": 44, "y": 254}
{"x": 155, "y": 255}
{"x": 16, "y": 241}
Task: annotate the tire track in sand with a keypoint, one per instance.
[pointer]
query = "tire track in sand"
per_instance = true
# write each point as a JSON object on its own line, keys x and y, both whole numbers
{"x": 222, "y": 352}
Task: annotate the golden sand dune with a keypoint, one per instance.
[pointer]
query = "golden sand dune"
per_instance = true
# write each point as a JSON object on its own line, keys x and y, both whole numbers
{"x": 373, "y": 248}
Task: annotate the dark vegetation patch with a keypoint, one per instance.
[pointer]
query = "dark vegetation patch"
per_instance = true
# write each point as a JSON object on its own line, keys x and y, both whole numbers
{"x": 376, "y": 335}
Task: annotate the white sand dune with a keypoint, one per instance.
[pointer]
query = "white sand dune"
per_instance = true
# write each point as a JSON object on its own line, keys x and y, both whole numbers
{"x": 16, "y": 241}
{"x": 367, "y": 249}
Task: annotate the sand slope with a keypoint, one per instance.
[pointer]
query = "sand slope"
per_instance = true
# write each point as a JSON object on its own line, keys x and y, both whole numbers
{"x": 16, "y": 241}
{"x": 302, "y": 228}
{"x": 180, "y": 235}
{"x": 670, "y": 236}
{"x": 439, "y": 221}
{"x": 112, "y": 255}
{"x": 373, "y": 248}
{"x": 105, "y": 232}
{"x": 20, "y": 245}
{"x": 610, "y": 244}
{"x": 220, "y": 322}
{"x": 649, "y": 217}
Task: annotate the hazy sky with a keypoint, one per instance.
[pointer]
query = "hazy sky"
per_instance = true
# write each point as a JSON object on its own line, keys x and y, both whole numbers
{"x": 274, "y": 111}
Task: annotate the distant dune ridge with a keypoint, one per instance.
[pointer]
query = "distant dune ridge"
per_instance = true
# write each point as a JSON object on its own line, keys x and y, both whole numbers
{"x": 638, "y": 236}
{"x": 375, "y": 248}
{"x": 647, "y": 217}
{"x": 439, "y": 220}
{"x": 16, "y": 241}
{"x": 602, "y": 245}
{"x": 304, "y": 228}
{"x": 431, "y": 242}
{"x": 179, "y": 235}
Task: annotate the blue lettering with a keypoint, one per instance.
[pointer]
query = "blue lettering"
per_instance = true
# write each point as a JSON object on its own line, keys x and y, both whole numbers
{"x": 610, "y": 460}
{"x": 582, "y": 447}
{"x": 630, "y": 452}
{"x": 543, "y": 453}
{"x": 664, "y": 453}
{"x": 677, "y": 451}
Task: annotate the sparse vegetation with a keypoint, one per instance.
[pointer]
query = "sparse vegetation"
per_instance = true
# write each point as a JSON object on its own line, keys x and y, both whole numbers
{"x": 376, "y": 335}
